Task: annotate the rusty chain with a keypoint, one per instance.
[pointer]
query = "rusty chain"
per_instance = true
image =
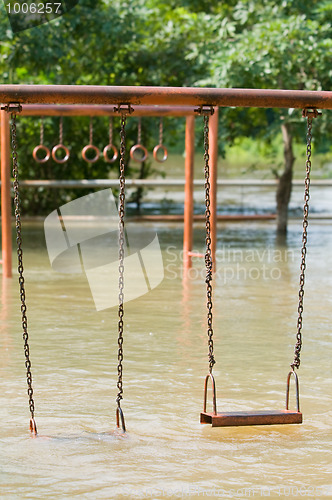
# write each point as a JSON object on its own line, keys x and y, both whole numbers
{"x": 207, "y": 111}
{"x": 17, "y": 204}
{"x": 309, "y": 114}
{"x": 121, "y": 209}
{"x": 121, "y": 254}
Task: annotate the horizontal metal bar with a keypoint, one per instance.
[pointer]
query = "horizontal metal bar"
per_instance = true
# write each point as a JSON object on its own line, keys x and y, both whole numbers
{"x": 102, "y": 110}
{"x": 171, "y": 96}
{"x": 106, "y": 183}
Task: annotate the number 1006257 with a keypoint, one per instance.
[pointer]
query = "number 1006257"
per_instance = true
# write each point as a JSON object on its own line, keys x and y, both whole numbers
{"x": 34, "y": 8}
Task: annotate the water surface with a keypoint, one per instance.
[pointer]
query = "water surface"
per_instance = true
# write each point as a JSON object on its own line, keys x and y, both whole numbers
{"x": 167, "y": 453}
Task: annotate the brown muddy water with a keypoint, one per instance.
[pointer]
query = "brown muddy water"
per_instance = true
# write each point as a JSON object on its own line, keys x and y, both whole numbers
{"x": 167, "y": 453}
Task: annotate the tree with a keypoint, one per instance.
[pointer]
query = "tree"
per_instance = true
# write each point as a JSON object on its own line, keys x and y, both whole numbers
{"x": 269, "y": 44}
{"x": 102, "y": 43}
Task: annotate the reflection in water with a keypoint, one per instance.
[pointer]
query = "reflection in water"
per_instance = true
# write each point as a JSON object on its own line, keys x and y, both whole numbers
{"x": 5, "y": 341}
{"x": 167, "y": 453}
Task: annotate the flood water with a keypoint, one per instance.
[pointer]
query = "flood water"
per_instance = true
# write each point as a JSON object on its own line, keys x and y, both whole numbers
{"x": 167, "y": 453}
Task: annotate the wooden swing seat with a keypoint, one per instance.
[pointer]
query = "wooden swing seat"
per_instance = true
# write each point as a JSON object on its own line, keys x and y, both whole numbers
{"x": 253, "y": 417}
{"x": 241, "y": 418}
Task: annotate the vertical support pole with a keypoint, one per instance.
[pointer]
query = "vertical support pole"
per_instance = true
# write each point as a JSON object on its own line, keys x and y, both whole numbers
{"x": 213, "y": 153}
{"x": 5, "y": 196}
{"x": 189, "y": 191}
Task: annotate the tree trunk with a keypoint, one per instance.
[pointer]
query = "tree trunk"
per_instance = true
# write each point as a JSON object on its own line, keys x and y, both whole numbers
{"x": 284, "y": 189}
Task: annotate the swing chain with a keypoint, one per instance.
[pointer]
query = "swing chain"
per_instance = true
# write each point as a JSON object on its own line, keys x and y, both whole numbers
{"x": 208, "y": 253}
{"x": 17, "y": 204}
{"x": 309, "y": 114}
{"x": 121, "y": 258}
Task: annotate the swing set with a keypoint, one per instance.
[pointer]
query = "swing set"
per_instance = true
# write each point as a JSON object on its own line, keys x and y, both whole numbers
{"x": 13, "y": 97}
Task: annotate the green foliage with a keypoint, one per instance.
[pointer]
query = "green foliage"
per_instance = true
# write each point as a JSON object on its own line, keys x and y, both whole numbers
{"x": 239, "y": 43}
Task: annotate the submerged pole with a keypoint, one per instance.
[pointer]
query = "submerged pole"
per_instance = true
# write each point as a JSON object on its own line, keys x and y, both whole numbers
{"x": 189, "y": 192}
{"x": 213, "y": 152}
{"x": 5, "y": 196}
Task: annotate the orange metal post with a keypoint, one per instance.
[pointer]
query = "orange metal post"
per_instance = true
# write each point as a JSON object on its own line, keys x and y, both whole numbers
{"x": 5, "y": 197}
{"x": 213, "y": 152}
{"x": 189, "y": 191}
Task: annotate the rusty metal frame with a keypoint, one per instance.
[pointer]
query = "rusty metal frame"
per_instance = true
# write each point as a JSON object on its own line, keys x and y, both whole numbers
{"x": 91, "y": 100}
{"x": 171, "y": 96}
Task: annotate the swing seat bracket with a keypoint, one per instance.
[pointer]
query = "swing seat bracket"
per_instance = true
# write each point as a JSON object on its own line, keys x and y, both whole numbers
{"x": 252, "y": 417}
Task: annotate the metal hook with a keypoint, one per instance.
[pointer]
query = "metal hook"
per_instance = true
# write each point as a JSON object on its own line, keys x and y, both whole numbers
{"x": 214, "y": 394}
{"x": 205, "y": 109}
{"x": 292, "y": 372}
{"x": 33, "y": 426}
{"x": 120, "y": 415}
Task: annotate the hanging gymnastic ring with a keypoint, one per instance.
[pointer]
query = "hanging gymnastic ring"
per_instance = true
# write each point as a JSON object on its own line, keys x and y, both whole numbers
{"x": 158, "y": 148}
{"x": 297, "y": 391}
{"x": 138, "y": 147}
{"x": 214, "y": 395}
{"x": 108, "y": 148}
{"x": 41, "y": 147}
{"x": 54, "y": 151}
{"x": 95, "y": 149}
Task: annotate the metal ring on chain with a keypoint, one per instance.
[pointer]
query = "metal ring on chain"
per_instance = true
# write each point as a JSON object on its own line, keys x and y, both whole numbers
{"x": 56, "y": 149}
{"x": 142, "y": 157}
{"x": 156, "y": 150}
{"x": 110, "y": 147}
{"x": 87, "y": 148}
{"x": 36, "y": 150}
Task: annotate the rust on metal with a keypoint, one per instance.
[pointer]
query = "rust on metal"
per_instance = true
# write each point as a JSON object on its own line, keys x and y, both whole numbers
{"x": 164, "y": 151}
{"x": 33, "y": 426}
{"x": 188, "y": 215}
{"x": 90, "y": 147}
{"x": 242, "y": 418}
{"x": 6, "y": 202}
{"x": 297, "y": 390}
{"x": 46, "y": 151}
{"x": 120, "y": 419}
{"x": 160, "y": 147}
{"x": 214, "y": 393}
{"x": 56, "y": 149}
{"x": 103, "y": 110}
{"x": 312, "y": 113}
{"x": 142, "y": 156}
{"x": 205, "y": 110}
{"x": 171, "y": 96}
{"x": 115, "y": 154}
